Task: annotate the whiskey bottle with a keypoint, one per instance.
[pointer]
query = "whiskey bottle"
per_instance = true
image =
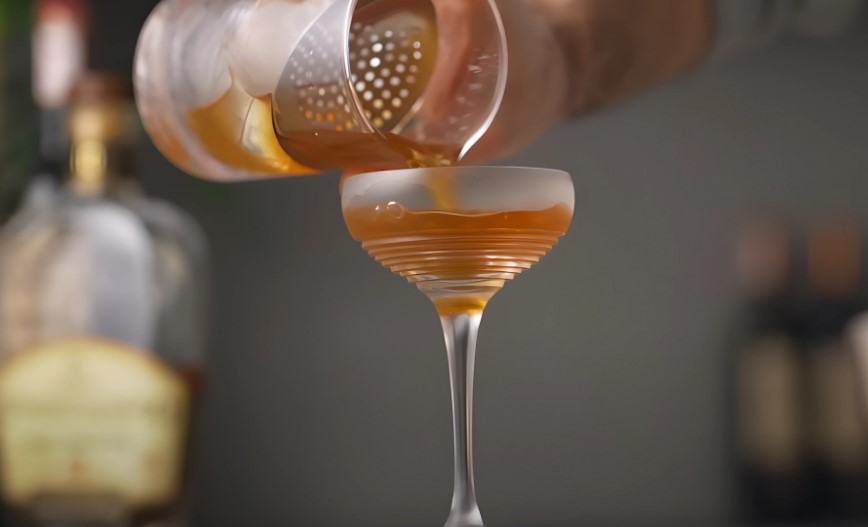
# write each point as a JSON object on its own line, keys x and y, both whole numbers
{"x": 838, "y": 425}
{"x": 767, "y": 407}
{"x": 101, "y": 337}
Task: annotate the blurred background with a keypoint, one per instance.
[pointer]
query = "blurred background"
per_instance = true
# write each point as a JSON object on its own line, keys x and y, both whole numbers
{"x": 679, "y": 358}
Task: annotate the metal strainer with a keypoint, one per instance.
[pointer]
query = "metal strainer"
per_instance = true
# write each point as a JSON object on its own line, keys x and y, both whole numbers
{"x": 346, "y": 84}
{"x": 364, "y": 67}
{"x": 371, "y": 79}
{"x": 391, "y": 64}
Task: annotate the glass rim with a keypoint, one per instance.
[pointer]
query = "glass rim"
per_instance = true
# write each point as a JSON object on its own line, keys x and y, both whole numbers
{"x": 457, "y": 169}
{"x": 357, "y": 184}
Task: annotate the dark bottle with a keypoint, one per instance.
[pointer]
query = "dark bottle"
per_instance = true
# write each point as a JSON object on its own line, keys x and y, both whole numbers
{"x": 838, "y": 431}
{"x": 766, "y": 383}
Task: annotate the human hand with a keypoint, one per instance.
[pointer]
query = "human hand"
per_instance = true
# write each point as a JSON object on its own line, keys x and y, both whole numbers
{"x": 569, "y": 57}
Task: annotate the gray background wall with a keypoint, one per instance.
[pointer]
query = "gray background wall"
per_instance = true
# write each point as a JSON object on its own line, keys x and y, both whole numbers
{"x": 600, "y": 381}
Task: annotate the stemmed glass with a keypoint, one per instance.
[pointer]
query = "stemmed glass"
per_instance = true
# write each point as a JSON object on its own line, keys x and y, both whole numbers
{"x": 241, "y": 89}
{"x": 459, "y": 234}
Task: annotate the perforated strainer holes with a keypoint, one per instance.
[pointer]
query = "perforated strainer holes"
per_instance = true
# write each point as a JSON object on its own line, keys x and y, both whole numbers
{"x": 314, "y": 74}
{"x": 390, "y": 57}
{"x": 385, "y": 68}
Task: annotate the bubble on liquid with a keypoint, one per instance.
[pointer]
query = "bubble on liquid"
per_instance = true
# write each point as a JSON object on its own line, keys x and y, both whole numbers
{"x": 264, "y": 39}
{"x": 390, "y": 211}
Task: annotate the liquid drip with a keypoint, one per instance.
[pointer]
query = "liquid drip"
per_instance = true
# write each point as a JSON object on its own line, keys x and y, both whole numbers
{"x": 458, "y": 259}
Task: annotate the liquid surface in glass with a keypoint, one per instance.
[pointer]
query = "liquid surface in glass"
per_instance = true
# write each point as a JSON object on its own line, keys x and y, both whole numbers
{"x": 460, "y": 259}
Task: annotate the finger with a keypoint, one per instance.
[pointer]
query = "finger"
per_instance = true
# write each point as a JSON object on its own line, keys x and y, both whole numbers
{"x": 454, "y": 38}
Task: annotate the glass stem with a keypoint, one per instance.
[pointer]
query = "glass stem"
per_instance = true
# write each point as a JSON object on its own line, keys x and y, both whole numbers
{"x": 460, "y": 331}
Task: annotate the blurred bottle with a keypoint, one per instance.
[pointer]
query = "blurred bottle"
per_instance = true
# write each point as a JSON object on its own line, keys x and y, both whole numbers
{"x": 767, "y": 381}
{"x": 839, "y": 435}
{"x": 857, "y": 338}
{"x": 59, "y": 55}
{"x": 15, "y": 111}
{"x": 4, "y": 102}
{"x": 101, "y": 326}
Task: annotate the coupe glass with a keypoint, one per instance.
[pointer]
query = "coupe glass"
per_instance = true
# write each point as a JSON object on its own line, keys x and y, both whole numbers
{"x": 459, "y": 234}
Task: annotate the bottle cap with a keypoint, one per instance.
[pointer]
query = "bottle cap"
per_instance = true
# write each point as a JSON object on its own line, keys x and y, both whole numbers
{"x": 100, "y": 87}
{"x": 59, "y": 49}
{"x": 764, "y": 256}
{"x": 102, "y": 108}
{"x": 835, "y": 257}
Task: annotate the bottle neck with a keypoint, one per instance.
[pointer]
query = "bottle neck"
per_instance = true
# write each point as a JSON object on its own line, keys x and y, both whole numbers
{"x": 102, "y": 142}
{"x": 59, "y": 57}
{"x": 98, "y": 166}
{"x": 53, "y": 143}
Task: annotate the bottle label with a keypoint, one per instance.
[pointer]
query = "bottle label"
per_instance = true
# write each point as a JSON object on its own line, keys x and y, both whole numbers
{"x": 840, "y": 432}
{"x": 769, "y": 408}
{"x": 91, "y": 418}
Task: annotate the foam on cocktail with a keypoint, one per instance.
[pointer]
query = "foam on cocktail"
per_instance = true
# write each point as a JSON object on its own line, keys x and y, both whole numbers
{"x": 487, "y": 189}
